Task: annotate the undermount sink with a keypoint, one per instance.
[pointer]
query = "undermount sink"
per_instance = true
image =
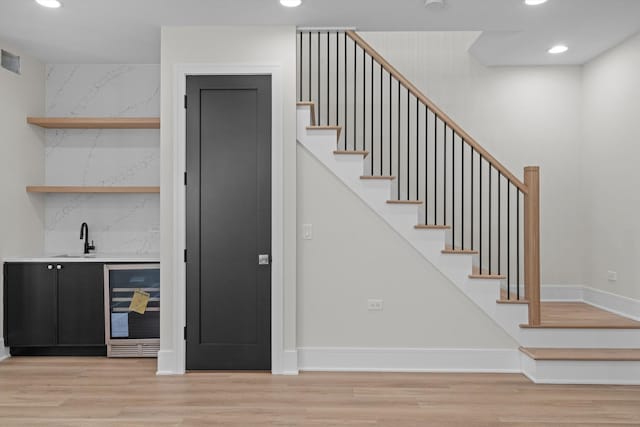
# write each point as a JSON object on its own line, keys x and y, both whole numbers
{"x": 75, "y": 256}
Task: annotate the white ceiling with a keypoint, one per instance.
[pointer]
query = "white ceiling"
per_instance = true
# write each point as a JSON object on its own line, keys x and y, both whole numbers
{"x": 128, "y": 31}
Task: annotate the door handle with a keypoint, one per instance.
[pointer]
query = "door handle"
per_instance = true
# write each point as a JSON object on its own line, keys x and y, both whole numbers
{"x": 59, "y": 267}
{"x": 264, "y": 259}
{"x": 49, "y": 267}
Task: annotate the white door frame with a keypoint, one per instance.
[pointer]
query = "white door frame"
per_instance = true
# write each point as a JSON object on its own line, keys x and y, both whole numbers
{"x": 181, "y": 71}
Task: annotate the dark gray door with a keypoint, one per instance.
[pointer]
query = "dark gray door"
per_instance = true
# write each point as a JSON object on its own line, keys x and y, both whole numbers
{"x": 228, "y": 222}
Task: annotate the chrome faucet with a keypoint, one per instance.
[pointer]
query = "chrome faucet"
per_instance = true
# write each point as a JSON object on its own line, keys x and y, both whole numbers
{"x": 84, "y": 234}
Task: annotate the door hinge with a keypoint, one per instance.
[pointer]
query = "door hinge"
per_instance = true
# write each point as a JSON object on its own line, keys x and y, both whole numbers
{"x": 185, "y": 255}
{"x": 185, "y": 101}
{"x": 185, "y": 333}
{"x": 185, "y": 178}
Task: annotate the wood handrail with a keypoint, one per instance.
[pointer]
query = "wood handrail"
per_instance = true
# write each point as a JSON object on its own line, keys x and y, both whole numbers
{"x": 437, "y": 111}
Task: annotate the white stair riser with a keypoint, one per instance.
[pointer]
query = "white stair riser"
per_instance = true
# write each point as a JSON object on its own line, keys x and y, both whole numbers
{"x": 580, "y": 372}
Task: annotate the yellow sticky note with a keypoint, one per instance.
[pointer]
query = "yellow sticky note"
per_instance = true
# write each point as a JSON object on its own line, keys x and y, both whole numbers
{"x": 139, "y": 301}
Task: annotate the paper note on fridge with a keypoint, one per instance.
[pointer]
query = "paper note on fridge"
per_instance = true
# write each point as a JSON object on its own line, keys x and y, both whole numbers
{"x": 119, "y": 325}
{"x": 139, "y": 301}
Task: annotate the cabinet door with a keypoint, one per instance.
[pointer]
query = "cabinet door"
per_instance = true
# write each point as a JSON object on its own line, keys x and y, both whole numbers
{"x": 80, "y": 304}
{"x": 30, "y": 304}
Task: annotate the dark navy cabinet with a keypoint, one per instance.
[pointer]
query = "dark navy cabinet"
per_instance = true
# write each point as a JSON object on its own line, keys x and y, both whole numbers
{"x": 54, "y": 308}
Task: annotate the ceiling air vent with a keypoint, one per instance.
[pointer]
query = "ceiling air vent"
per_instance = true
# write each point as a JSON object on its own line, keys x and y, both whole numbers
{"x": 10, "y": 61}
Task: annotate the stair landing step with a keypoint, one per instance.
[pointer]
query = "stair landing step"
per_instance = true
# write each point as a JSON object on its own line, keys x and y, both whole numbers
{"x": 583, "y": 354}
{"x": 579, "y": 315}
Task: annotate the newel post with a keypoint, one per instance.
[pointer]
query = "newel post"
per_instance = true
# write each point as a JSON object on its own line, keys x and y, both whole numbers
{"x": 532, "y": 242}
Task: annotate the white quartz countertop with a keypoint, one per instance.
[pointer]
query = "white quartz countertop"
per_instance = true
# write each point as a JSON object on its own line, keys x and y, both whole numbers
{"x": 101, "y": 258}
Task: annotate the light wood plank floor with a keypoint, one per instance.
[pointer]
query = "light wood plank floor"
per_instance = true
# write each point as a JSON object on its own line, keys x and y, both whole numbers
{"x": 99, "y": 391}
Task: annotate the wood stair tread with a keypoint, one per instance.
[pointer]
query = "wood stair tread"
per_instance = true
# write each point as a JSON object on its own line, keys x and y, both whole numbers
{"x": 405, "y": 202}
{"x": 347, "y": 152}
{"x": 374, "y": 177}
{"x": 458, "y": 251}
{"x": 583, "y": 354}
{"x": 431, "y": 227}
{"x": 487, "y": 276}
{"x": 512, "y": 298}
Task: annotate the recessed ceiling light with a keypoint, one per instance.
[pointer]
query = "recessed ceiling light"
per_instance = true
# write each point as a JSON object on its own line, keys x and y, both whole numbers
{"x": 49, "y": 3}
{"x": 560, "y": 48}
{"x": 534, "y": 2}
{"x": 291, "y": 3}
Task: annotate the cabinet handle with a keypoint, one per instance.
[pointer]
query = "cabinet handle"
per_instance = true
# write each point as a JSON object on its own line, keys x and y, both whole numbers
{"x": 49, "y": 267}
{"x": 59, "y": 267}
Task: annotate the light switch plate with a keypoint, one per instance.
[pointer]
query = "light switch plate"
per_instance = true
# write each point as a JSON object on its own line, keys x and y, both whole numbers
{"x": 307, "y": 231}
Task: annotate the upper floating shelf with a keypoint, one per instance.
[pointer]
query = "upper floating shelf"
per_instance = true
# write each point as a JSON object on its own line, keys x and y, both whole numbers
{"x": 84, "y": 189}
{"x": 96, "y": 122}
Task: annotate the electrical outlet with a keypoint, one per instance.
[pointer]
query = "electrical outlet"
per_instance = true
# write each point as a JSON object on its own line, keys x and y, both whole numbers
{"x": 307, "y": 231}
{"x": 612, "y": 276}
{"x": 374, "y": 305}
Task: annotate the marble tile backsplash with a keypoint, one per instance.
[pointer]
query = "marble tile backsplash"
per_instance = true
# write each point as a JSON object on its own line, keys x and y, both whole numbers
{"x": 118, "y": 223}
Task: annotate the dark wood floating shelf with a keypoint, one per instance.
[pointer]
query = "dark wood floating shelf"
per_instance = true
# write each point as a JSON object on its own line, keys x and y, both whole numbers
{"x": 63, "y": 189}
{"x": 96, "y": 122}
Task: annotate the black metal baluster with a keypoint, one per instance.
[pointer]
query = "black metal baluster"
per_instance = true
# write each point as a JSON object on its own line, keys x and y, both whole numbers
{"x": 462, "y": 144}
{"x": 444, "y": 174}
{"x": 346, "y": 105}
{"x": 473, "y": 190}
{"x": 399, "y": 172}
{"x": 355, "y": 96}
{"x": 310, "y": 67}
{"x": 508, "y": 240}
{"x": 390, "y": 126}
{"x": 499, "y": 220}
{"x": 490, "y": 206}
{"x": 518, "y": 246}
{"x": 318, "y": 78}
{"x": 364, "y": 99}
{"x": 408, "y": 146}
{"x": 435, "y": 168}
{"x": 300, "y": 69}
{"x": 337, "y": 78}
{"x": 426, "y": 164}
{"x": 328, "y": 80}
{"x": 381, "y": 119}
{"x": 418, "y": 149}
{"x": 453, "y": 189}
{"x": 372, "y": 103}
{"x": 480, "y": 214}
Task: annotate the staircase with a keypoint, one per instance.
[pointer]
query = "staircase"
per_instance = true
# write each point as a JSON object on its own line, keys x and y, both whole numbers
{"x": 461, "y": 209}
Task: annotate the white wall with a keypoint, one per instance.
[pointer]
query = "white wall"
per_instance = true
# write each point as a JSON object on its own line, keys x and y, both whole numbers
{"x": 522, "y": 115}
{"x": 118, "y": 223}
{"x": 353, "y": 256}
{"x": 610, "y": 154}
{"x": 228, "y": 46}
{"x": 21, "y": 159}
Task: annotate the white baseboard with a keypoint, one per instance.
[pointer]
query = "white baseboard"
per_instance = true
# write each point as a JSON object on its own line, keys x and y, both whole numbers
{"x": 167, "y": 363}
{"x": 289, "y": 363}
{"x": 617, "y": 304}
{"x": 561, "y": 293}
{"x": 4, "y": 351}
{"x": 408, "y": 359}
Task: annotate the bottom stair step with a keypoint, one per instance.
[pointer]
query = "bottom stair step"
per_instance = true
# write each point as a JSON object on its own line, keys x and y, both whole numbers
{"x": 583, "y": 354}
